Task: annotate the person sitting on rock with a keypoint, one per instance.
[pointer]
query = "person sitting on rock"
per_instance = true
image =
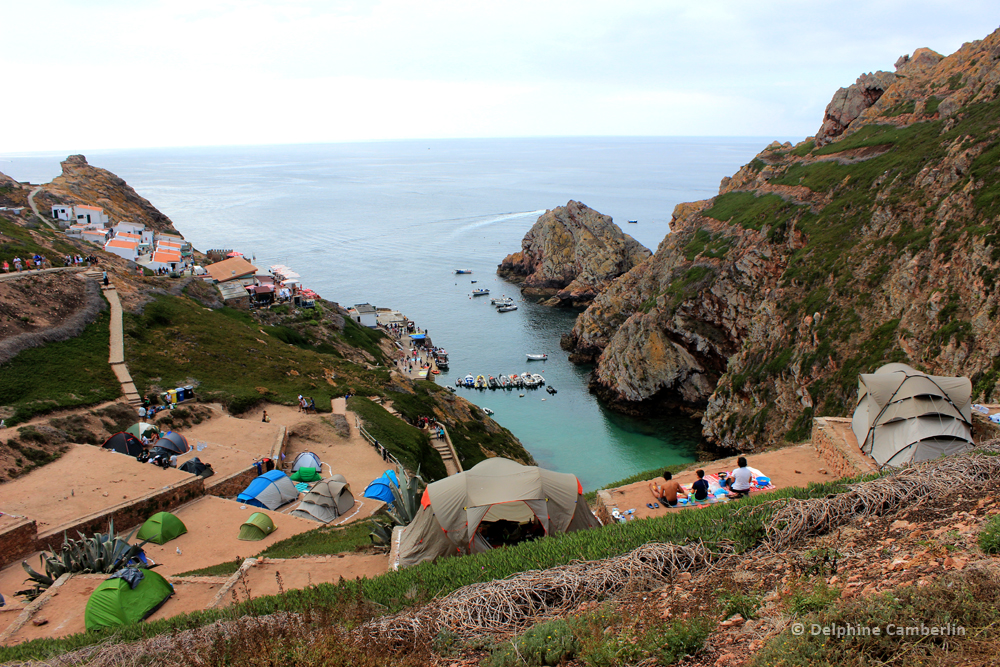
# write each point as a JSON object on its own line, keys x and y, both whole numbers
{"x": 667, "y": 492}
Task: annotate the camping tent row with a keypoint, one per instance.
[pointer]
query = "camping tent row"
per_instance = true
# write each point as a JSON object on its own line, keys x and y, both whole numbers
{"x": 452, "y": 509}
{"x": 326, "y": 501}
{"x": 905, "y": 416}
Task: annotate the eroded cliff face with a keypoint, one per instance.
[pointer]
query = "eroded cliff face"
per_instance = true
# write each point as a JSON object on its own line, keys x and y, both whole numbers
{"x": 571, "y": 254}
{"x": 82, "y": 183}
{"x": 879, "y": 241}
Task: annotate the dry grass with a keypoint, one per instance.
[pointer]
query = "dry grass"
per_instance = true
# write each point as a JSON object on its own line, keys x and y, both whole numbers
{"x": 72, "y": 327}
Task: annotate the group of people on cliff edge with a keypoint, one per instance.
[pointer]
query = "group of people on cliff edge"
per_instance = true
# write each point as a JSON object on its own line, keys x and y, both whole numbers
{"x": 738, "y": 485}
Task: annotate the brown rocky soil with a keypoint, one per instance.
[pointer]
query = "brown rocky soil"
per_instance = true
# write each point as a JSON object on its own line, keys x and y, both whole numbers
{"x": 38, "y": 302}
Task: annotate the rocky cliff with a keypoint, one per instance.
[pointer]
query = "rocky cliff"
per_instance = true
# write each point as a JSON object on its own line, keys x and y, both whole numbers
{"x": 877, "y": 241}
{"x": 570, "y": 255}
{"x": 81, "y": 183}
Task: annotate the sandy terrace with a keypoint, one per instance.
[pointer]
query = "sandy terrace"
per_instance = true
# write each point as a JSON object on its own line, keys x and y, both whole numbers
{"x": 213, "y": 524}
{"x": 351, "y": 457}
{"x": 65, "y": 610}
{"x": 83, "y": 481}
{"x": 12, "y": 579}
{"x": 791, "y": 466}
{"x": 254, "y": 438}
{"x": 261, "y": 579}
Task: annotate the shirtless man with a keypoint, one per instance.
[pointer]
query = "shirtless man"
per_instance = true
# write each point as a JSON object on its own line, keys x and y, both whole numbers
{"x": 667, "y": 492}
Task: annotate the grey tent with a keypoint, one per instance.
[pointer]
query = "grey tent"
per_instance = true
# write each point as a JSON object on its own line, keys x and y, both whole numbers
{"x": 307, "y": 460}
{"x": 906, "y": 416}
{"x": 174, "y": 442}
{"x": 326, "y": 501}
{"x": 453, "y": 508}
{"x": 270, "y": 491}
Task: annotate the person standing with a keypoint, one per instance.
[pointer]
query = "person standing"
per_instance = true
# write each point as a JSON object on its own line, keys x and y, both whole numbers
{"x": 105, "y": 278}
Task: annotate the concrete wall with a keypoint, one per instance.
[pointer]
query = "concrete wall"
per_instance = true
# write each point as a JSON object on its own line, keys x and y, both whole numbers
{"x": 17, "y": 541}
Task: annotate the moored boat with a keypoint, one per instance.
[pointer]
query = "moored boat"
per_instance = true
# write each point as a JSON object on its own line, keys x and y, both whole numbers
{"x": 515, "y": 380}
{"x": 480, "y": 292}
{"x": 491, "y": 382}
{"x": 537, "y": 357}
{"x": 506, "y": 309}
{"x": 550, "y": 389}
{"x": 480, "y": 382}
{"x": 463, "y": 271}
{"x": 538, "y": 379}
{"x": 504, "y": 381}
{"x": 468, "y": 381}
{"x": 501, "y": 300}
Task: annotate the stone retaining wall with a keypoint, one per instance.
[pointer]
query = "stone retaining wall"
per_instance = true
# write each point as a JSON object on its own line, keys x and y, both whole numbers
{"x": 17, "y": 541}
{"x": 830, "y": 437}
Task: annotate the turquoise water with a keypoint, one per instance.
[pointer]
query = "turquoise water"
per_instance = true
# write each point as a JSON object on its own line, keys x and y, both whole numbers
{"x": 388, "y": 223}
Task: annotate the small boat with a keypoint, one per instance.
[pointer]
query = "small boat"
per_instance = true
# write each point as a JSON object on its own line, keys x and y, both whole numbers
{"x": 487, "y": 411}
{"x": 550, "y": 389}
{"x": 501, "y": 300}
{"x": 480, "y": 382}
{"x": 463, "y": 271}
{"x": 450, "y": 388}
{"x": 633, "y": 222}
{"x": 507, "y": 308}
{"x": 473, "y": 281}
{"x": 537, "y": 357}
{"x": 442, "y": 363}
{"x": 538, "y": 379}
{"x": 515, "y": 381}
{"x": 504, "y": 381}
{"x": 480, "y": 292}
{"x": 527, "y": 380}
{"x": 491, "y": 382}
{"x": 436, "y": 372}
{"x": 468, "y": 381}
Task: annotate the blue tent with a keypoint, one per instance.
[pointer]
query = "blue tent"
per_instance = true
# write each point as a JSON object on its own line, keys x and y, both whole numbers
{"x": 381, "y": 489}
{"x": 270, "y": 491}
{"x": 417, "y": 336}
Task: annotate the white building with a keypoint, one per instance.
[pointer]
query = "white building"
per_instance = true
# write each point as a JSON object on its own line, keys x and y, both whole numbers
{"x": 63, "y": 212}
{"x": 162, "y": 259}
{"x": 364, "y": 314}
{"x": 131, "y": 227}
{"x": 90, "y": 215}
{"x": 126, "y": 249}
{"x": 98, "y": 236}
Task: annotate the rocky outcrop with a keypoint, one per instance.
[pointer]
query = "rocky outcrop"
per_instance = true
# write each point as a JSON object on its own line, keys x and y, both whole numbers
{"x": 848, "y": 103}
{"x": 877, "y": 241}
{"x": 82, "y": 183}
{"x": 570, "y": 255}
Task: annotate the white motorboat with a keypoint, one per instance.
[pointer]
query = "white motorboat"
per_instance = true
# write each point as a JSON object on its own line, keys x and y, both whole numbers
{"x": 506, "y": 309}
{"x": 537, "y": 357}
{"x": 527, "y": 380}
{"x": 538, "y": 379}
{"x": 501, "y": 300}
{"x": 480, "y": 292}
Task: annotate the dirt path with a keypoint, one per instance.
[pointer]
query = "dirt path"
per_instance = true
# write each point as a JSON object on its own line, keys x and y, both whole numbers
{"x": 34, "y": 207}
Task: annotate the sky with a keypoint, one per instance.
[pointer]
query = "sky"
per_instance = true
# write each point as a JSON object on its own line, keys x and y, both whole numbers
{"x": 112, "y": 74}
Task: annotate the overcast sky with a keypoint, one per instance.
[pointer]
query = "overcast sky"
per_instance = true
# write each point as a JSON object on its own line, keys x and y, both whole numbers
{"x": 92, "y": 74}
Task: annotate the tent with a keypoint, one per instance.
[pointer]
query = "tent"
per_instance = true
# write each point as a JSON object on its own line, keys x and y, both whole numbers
{"x": 270, "y": 491}
{"x": 174, "y": 442}
{"x": 142, "y": 428}
{"x": 307, "y": 460}
{"x": 381, "y": 488}
{"x": 326, "y": 500}
{"x": 115, "y": 602}
{"x": 904, "y": 416}
{"x": 257, "y": 527}
{"x": 161, "y": 528}
{"x": 452, "y": 509}
{"x": 196, "y": 467}
{"x": 124, "y": 443}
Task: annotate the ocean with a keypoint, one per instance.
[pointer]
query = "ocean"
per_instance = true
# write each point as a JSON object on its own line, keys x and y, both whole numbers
{"x": 388, "y": 223}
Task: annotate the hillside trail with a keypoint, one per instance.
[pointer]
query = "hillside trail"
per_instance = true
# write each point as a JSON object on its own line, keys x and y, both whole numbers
{"x": 34, "y": 207}
{"x": 116, "y": 351}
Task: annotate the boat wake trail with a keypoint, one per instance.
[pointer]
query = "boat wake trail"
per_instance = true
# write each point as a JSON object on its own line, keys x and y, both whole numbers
{"x": 491, "y": 220}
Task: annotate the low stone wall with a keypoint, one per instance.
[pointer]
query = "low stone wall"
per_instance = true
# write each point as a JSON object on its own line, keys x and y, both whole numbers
{"x": 231, "y": 485}
{"x": 131, "y": 513}
{"x": 602, "y": 508}
{"x": 17, "y": 541}
{"x": 834, "y": 441}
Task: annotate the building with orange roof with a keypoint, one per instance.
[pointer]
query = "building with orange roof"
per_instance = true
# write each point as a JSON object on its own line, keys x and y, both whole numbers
{"x": 125, "y": 248}
{"x": 233, "y": 268}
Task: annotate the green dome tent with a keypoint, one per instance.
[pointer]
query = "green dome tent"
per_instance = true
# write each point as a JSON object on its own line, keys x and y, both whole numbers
{"x": 161, "y": 528}
{"x": 257, "y": 527}
{"x": 115, "y": 602}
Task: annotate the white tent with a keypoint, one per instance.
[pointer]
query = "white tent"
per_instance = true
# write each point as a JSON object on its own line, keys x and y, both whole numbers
{"x": 906, "y": 416}
{"x": 326, "y": 501}
{"x": 307, "y": 460}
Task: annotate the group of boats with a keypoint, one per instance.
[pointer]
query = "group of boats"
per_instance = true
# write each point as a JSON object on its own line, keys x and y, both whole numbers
{"x": 502, "y": 381}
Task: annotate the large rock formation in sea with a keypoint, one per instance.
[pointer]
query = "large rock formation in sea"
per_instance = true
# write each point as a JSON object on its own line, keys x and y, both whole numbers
{"x": 570, "y": 255}
{"x": 82, "y": 183}
{"x": 877, "y": 241}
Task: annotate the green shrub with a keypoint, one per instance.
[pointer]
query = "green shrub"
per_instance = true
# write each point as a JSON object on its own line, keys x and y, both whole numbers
{"x": 815, "y": 598}
{"x": 989, "y": 538}
{"x": 546, "y": 644}
{"x": 746, "y": 605}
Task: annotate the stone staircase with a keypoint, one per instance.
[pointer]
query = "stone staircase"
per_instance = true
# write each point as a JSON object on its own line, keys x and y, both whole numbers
{"x": 116, "y": 352}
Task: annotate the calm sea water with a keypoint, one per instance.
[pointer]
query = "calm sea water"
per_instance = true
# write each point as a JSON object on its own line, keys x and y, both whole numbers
{"x": 388, "y": 223}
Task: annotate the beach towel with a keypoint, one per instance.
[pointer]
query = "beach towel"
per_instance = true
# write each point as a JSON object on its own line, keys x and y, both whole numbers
{"x": 301, "y": 487}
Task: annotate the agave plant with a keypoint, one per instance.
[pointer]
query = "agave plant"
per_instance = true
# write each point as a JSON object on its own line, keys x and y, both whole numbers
{"x": 404, "y": 508}
{"x": 103, "y": 553}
